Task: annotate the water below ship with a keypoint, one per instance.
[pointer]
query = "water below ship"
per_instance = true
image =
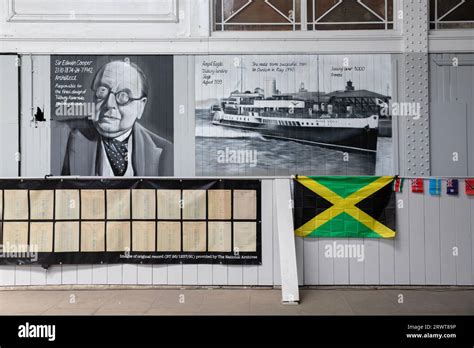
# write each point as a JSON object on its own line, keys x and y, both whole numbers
{"x": 277, "y": 156}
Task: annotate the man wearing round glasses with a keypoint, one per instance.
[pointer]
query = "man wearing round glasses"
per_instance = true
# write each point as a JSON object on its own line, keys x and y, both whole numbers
{"x": 113, "y": 143}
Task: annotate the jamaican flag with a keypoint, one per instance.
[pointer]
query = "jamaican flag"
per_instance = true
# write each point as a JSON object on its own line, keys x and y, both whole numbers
{"x": 344, "y": 206}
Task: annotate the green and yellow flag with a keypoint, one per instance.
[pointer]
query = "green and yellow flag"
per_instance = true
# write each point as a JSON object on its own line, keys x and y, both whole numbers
{"x": 344, "y": 206}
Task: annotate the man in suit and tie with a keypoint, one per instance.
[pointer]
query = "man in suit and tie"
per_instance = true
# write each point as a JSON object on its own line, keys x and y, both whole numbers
{"x": 113, "y": 143}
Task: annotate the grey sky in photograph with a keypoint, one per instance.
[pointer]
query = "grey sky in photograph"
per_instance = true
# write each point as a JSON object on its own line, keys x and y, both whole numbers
{"x": 324, "y": 73}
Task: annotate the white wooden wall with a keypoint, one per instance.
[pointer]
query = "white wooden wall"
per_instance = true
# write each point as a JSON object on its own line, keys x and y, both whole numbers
{"x": 429, "y": 227}
{"x": 35, "y": 27}
{"x": 255, "y": 275}
{"x": 8, "y": 115}
{"x": 428, "y": 230}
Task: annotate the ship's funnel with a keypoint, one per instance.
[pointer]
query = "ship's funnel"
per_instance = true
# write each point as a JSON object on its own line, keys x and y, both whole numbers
{"x": 270, "y": 87}
{"x": 349, "y": 86}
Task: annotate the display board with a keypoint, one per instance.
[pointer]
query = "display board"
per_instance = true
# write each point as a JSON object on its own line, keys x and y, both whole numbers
{"x": 285, "y": 114}
{"x": 77, "y": 221}
{"x": 112, "y": 115}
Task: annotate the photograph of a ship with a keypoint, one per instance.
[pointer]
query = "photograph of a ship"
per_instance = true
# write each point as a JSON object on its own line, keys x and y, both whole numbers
{"x": 299, "y": 130}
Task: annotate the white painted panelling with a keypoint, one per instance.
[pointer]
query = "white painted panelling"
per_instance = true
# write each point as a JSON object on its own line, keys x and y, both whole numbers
{"x": 204, "y": 273}
{"x": 92, "y": 11}
{"x": 190, "y": 274}
{"x": 371, "y": 261}
{"x": 402, "y": 241}
{"x": 161, "y": 27}
{"x": 115, "y": 274}
{"x": 417, "y": 256}
{"x": 130, "y": 274}
{"x": 99, "y": 274}
{"x": 145, "y": 274}
{"x": 235, "y": 275}
{"x": 428, "y": 228}
{"x": 356, "y": 268}
{"x": 265, "y": 270}
{"x": 387, "y": 262}
{"x": 175, "y": 275}
{"x": 299, "y": 245}
{"x": 38, "y": 275}
{"x": 250, "y": 275}
{"x": 54, "y": 275}
{"x": 432, "y": 239}
{"x": 69, "y": 274}
{"x": 9, "y": 115}
{"x": 160, "y": 274}
{"x": 463, "y": 239}
{"x": 7, "y": 275}
{"x": 422, "y": 253}
{"x": 341, "y": 266}
{"x": 325, "y": 264}
{"x": 311, "y": 260}
{"x": 417, "y": 239}
{"x": 447, "y": 238}
{"x": 35, "y": 136}
{"x": 23, "y": 275}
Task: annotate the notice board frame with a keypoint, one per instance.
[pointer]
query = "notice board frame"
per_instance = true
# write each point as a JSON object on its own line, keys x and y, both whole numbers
{"x": 233, "y": 257}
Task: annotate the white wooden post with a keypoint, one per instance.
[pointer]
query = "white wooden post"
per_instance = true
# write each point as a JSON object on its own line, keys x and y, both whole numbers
{"x": 286, "y": 242}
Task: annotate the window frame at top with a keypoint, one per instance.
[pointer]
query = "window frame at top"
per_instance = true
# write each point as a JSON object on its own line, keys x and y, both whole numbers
{"x": 307, "y": 22}
{"x": 435, "y": 22}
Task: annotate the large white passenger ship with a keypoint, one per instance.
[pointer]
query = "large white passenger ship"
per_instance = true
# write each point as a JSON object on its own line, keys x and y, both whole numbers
{"x": 347, "y": 119}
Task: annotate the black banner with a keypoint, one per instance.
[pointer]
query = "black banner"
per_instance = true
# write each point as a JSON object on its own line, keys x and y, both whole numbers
{"x": 352, "y": 331}
{"x": 138, "y": 221}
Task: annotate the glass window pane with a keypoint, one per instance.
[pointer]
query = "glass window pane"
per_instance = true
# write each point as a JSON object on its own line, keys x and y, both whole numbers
{"x": 257, "y": 15}
{"x": 286, "y": 14}
{"x": 451, "y": 14}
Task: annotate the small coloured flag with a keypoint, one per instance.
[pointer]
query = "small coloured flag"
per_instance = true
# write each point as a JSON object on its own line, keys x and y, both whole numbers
{"x": 398, "y": 184}
{"x": 469, "y": 186}
{"x": 417, "y": 186}
{"x": 435, "y": 187}
{"x": 452, "y": 187}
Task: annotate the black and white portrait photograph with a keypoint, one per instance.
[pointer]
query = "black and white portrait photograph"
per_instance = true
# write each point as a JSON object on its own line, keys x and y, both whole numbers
{"x": 287, "y": 114}
{"x": 112, "y": 115}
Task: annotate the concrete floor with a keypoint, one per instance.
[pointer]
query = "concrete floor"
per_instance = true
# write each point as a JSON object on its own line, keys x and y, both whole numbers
{"x": 429, "y": 301}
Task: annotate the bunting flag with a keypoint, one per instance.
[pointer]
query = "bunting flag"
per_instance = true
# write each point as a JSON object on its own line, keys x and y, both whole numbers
{"x": 398, "y": 184}
{"x": 417, "y": 186}
{"x": 344, "y": 206}
{"x": 469, "y": 187}
{"x": 452, "y": 187}
{"x": 435, "y": 187}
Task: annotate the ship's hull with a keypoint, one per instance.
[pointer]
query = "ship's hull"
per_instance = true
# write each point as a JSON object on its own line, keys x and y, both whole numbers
{"x": 337, "y": 136}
